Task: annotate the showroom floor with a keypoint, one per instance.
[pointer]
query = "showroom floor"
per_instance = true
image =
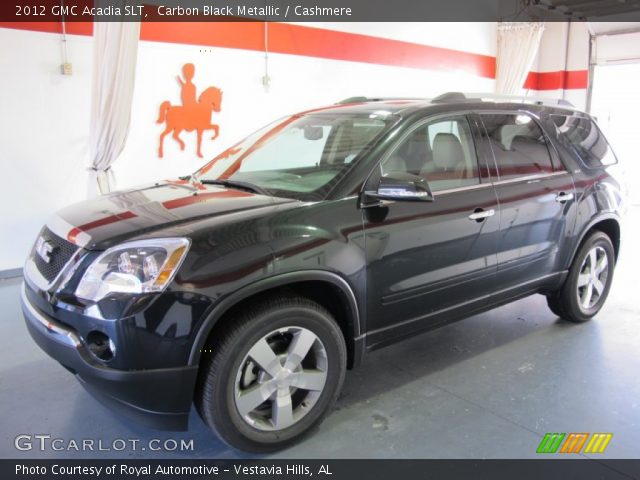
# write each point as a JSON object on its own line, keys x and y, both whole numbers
{"x": 490, "y": 386}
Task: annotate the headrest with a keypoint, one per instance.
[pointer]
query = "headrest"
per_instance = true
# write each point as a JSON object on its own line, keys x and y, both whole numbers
{"x": 415, "y": 143}
{"x": 447, "y": 151}
{"x": 526, "y": 145}
{"x": 523, "y": 139}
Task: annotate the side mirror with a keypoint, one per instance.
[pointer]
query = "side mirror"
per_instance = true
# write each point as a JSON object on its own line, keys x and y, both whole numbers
{"x": 402, "y": 186}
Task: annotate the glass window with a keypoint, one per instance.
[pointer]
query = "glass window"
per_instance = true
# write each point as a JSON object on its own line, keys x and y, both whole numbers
{"x": 301, "y": 156}
{"x": 447, "y": 126}
{"x": 297, "y": 147}
{"x": 443, "y": 152}
{"x": 518, "y": 144}
{"x": 583, "y": 137}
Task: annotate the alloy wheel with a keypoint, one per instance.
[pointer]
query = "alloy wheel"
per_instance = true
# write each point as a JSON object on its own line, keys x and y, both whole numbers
{"x": 281, "y": 378}
{"x": 593, "y": 276}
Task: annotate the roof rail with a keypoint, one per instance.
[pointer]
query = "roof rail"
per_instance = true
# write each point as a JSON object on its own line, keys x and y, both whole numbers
{"x": 361, "y": 99}
{"x": 495, "y": 97}
{"x": 353, "y": 100}
{"x": 450, "y": 97}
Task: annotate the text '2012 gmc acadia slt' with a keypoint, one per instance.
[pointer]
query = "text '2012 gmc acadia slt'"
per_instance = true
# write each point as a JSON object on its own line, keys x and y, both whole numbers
{"x": 252, "y": 285}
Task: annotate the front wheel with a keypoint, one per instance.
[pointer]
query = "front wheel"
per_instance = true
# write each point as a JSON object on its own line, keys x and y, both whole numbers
{"x": 588, "y": 283}
{"x": 272, "y": 374}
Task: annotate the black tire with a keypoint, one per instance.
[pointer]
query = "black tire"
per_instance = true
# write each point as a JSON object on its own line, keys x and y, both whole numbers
{"x": 554, "y": 304}
{"x": 226, "y": 367}
{"x": 568, "y": 301}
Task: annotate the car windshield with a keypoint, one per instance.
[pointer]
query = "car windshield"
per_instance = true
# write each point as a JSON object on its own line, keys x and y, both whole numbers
{"x": 301, "y": 157}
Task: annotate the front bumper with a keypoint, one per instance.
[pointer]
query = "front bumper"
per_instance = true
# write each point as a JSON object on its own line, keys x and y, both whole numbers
{"x": 159, "y": 398}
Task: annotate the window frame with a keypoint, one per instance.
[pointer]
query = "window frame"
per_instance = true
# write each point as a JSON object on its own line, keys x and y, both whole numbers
{"x": 575, "y": 154}
{"x": 558, "y": 166}
{"x": 373, "y": 179}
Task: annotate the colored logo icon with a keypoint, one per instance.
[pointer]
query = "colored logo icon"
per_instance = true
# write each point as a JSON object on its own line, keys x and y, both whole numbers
{"x": 574, "y": 443}
{"x": 193, "y": 114}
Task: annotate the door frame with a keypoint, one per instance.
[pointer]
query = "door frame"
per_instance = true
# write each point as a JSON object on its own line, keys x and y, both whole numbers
{"x": 477, "y": 129}
{"x": 486, "y": 167}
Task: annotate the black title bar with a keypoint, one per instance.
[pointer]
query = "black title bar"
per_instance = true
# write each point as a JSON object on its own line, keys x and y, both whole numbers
{"x": 300, "y": 11}
{"x": 547, "y": 469}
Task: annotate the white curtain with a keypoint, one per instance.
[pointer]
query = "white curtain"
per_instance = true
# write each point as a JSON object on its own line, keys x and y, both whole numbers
{"x": 518, "y": 44}
{"x": 114, "y": 66}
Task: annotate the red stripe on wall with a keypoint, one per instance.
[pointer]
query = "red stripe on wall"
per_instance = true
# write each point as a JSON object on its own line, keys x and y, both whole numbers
{"x": 296, "y": 40}
{"x": 322, "y": 43}
{"x": 73, "y": 28}
{"x": 561, "y": 80}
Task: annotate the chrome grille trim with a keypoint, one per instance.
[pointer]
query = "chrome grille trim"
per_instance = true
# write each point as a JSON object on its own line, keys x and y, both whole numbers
{"x": 32, "y": 271}
{"x": 62, "y": 252}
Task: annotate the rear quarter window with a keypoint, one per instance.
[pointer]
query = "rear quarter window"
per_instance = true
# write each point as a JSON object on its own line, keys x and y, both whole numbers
{"x": 584, "y": 139}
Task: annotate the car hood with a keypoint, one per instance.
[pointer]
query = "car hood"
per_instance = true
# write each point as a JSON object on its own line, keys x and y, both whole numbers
{"x": 105, "y": 220}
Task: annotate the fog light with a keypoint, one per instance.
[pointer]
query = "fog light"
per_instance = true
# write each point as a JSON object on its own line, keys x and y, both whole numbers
{"x": 101, "y": 346}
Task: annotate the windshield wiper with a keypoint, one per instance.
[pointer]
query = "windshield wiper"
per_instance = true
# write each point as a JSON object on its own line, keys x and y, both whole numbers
{"x": 238, "y": 185}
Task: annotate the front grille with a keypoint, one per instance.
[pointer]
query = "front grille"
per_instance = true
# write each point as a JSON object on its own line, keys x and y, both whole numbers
{"x": 59, "y": 256}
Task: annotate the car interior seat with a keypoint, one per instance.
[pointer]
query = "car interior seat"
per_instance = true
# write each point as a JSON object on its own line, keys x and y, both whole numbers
{"x": 448, "y": 159}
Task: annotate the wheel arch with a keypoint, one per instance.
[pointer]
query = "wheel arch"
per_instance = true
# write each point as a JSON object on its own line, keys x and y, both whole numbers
{"x": 608, "y": 224}
{"x": 319, "y": 285}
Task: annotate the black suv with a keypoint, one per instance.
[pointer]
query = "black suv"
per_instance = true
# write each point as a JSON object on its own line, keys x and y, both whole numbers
{"x": 251, "y": 286}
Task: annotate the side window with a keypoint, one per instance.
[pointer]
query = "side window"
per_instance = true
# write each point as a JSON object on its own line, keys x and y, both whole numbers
{"x": 518, "y": 144}
{"x": 442, "y": 151}
{"x": 447, "y": 126}
{"x": 583, "y": 137}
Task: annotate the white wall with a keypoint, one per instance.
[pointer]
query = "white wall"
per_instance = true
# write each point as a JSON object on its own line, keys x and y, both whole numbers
{"x": 43, "y": 134}
{"x": 553, "y": 56}
{"x": 620, "y": 48}
{"x": 479, "y": 37}
{"x": 616, "y": 102}
{"x": 46, "y": 115}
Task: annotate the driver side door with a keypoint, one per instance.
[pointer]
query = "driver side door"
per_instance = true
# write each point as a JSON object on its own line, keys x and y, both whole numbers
{"x": 430, "y": 260}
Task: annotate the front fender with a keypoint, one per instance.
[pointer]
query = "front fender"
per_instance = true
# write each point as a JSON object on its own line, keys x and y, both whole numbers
{"x": 355, "y": 334}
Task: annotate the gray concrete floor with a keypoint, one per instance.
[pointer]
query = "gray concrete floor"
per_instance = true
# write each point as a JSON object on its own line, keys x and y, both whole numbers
{"x": 487, "y": 387}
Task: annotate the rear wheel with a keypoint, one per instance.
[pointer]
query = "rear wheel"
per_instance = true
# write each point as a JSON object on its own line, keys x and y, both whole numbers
{"x": 274, "y": 372}
{"x": 587, "y": 286}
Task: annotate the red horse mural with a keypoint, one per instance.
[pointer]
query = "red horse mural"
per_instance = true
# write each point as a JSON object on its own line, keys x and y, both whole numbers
{"x": 192, "y": 114}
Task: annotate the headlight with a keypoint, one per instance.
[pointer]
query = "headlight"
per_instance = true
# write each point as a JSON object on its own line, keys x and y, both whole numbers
{"x": 135, "y": 267}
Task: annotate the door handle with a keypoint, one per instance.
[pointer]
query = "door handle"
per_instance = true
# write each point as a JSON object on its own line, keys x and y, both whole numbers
{"x": 479, "y": 214}
{"x": 564, "y": 197}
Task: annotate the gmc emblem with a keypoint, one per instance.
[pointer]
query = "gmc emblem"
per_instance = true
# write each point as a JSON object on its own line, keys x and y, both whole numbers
{"x": 44, "y": 249}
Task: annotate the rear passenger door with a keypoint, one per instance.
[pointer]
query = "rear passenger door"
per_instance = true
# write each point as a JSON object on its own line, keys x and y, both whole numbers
{"x": 535, "y": 194}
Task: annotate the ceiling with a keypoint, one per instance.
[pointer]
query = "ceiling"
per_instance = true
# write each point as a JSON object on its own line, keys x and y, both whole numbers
{"x": 599, "y": 10}
{"x": 609, "y": 28}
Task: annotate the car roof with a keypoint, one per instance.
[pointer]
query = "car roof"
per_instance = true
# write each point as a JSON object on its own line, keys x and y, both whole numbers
{"x": 453, "y": 101}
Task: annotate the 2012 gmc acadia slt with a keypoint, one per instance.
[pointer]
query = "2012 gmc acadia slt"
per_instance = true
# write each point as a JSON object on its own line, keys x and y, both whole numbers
{"x": 251, "y": 286}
